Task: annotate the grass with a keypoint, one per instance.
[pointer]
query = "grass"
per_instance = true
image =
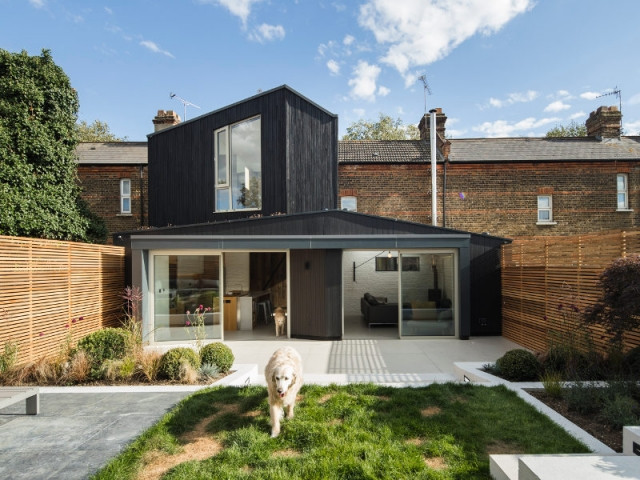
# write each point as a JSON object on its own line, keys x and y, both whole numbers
{"x": 359, "y": 431}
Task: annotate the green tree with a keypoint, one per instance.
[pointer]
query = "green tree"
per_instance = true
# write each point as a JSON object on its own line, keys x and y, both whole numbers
{"x": 96, "y": 132}
{"x": 38, "y": 112}
{"x": 385, "y": 128}
{"x": 574, "y": 129}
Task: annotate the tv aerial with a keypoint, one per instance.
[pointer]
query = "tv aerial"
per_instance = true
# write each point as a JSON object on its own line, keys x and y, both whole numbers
{"x": 185, "y": 103}
{"x": 427, "y": 90}
{"x": 615, "y": 91}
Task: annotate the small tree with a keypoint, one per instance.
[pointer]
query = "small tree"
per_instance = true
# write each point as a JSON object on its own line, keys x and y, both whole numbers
{"x": 574, "y": 129}
{"x": 386, "y": 128}
{"x": 96, "y": 132}
{"x": 618, "y": 310}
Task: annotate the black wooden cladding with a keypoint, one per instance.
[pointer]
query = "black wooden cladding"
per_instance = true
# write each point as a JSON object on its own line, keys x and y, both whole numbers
{"x": 299, "y": 160}
{"x": 316, "y": 305}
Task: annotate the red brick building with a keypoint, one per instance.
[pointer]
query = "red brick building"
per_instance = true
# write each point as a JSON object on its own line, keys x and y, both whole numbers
{"x": 113, "y": 178}
{"x": 503, "y": 186}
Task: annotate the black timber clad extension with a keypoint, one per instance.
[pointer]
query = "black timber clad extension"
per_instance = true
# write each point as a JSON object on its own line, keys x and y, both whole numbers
{"x": 299, "y": 160}
{"x": 332, "y": 230}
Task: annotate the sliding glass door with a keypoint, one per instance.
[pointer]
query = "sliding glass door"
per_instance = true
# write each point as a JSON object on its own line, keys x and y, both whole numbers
{"x": 186, "y": 297}
{"x": 428, "y": 294}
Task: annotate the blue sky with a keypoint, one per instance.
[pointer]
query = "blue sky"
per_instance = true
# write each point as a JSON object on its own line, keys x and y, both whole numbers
{"x": 495, "y": 67}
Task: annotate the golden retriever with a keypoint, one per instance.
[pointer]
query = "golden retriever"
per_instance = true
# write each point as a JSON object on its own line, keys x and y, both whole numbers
{"x": 279, "y": 318}
{"x": 283, "y": 374}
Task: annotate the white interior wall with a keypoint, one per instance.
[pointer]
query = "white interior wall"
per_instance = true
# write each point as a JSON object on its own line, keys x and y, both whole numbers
{"x": 236, "y": 271}
{"x": 378, "y": 284}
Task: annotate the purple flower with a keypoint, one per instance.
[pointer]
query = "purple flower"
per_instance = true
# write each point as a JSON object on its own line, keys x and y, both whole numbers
{"x": 201, "y": 307}
{"x": 188, "y": 323}
{"x": 188, "y": 312}
{"x": 560, "y": 306}
{"x": 41, "y": 334}
{"x": 73, "y": 320}
{"x": 80, "y": 318}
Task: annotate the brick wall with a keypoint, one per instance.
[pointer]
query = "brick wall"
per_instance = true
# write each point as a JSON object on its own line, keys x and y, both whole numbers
{"x": 100, "y": 186}
{"x": 499, "y": 198}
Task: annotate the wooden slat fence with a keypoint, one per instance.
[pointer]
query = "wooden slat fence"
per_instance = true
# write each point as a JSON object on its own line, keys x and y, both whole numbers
{"x": 548, "y": 281}
{"x": 54, "y": 291}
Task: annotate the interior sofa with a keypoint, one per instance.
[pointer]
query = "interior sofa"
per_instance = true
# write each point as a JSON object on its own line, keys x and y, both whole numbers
{"x": 377, "y": 311}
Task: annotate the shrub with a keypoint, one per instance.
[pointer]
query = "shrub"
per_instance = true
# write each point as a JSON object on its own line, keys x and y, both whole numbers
{"x": 149, "y": 364}
{"x": 8, "y": 358}
{"x": 618, "y": 309}
{"x": 102, "y": 345}
{"x": 119, "y": 369}
{"x": 172, "y": 360}
{"x": 209, "y": 371}
{"x": 518, "y": 365}
{"x": 584, "y": 397}
{"x": 552, "y": 383}
{"x": 79, "y": 367}
{"x": 632, "y": 362}
{"x": 620, "y": 410}
{"x": 217, "y": 354}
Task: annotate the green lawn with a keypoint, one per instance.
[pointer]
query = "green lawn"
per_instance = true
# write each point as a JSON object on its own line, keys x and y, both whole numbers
{"x": 359, "y": 431}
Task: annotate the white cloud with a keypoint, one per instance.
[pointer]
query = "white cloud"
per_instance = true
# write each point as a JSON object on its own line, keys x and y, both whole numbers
{"x": 556, "y": 106}
{"x": 267, "y": 33}
{"x": 108, "y": 10}
{"x": 239, "y": 8}
{"x": 360, "y": 112}
{"x": 363, "y": 82}
{"x": 518, "y": 97}
{"x": 632, "y": 128}
{"x": 589, "y": 95}
{"x": 155, "y": 48}
{"x": 348, "y": 40}
{"x": 502, "y": 128}
{"x": 578, "y": 115}
{"x": 334, "y": 67}
{"x": 383, "y": 91}
{"x": 420, "y": 32}
{"x": 37, "y": 3}
{"x": 634, "y": 100}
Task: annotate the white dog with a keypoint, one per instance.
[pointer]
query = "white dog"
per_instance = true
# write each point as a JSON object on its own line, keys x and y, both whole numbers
{"x": 283, "y": 374}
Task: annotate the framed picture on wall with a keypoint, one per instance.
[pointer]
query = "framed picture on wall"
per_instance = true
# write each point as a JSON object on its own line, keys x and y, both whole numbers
{"x": 386, "y": 264}
{"x": 410, "y": 264}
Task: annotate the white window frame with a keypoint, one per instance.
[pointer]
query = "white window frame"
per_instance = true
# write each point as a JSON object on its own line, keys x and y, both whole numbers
{"x": 349, "y": 199}
{"x": 549, "y": 209}
{"x": 226, "y": 186}
{"x": 125, "y": 196}
{"x": 624, "y": 191}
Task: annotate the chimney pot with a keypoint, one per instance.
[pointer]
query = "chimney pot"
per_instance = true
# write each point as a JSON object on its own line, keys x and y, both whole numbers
{"x": 424, "y": 126}
{"x": 165, "y": 119}
{"x": 605, "y": 122}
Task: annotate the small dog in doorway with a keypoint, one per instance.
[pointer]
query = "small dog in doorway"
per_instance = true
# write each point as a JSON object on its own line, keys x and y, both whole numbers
{"x": 280, "y": 319}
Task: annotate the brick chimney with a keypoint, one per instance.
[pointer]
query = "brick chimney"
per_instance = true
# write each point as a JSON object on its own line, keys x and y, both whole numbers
{"x": 165, "y": 119}
{"x": 424, "y": 126}
{"x": 605, "y": 122}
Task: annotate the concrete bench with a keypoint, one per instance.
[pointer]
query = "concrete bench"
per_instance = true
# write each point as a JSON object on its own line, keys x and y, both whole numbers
{"x": 11, "y": 395}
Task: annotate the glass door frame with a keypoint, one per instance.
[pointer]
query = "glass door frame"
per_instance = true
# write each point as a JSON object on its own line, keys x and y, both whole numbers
{"x": 456, "y": 287}
{"x": 150, "y": 321}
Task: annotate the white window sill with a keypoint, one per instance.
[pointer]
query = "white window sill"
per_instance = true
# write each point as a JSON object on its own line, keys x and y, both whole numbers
{"x": 546, "y": 223}
{"x": 124, "y": 215}
{"x": 624, "y": 210}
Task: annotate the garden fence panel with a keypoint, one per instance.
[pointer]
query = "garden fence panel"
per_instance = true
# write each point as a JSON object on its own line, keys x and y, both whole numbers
{"x": 53, "y": 293}
{"x": 548, "y": 282}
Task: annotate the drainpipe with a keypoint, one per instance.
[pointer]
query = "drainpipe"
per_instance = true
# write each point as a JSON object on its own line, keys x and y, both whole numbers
{"x": 444, "y": 193}
{"x": 433, "y": 147}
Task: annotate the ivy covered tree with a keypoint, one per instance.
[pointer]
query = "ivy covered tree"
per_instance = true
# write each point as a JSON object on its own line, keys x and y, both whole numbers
{"x": 38, "y": 113}
{"x": 385, "y": 128}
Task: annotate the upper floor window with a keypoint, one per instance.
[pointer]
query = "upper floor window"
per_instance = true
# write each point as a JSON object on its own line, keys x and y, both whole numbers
{"x": 125, "y": 195}
{"x": 623, "y": 191}
{"x": 545, "y": 209}
{"x": 349, "y": 203}
{"x": 238, "y": 160}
